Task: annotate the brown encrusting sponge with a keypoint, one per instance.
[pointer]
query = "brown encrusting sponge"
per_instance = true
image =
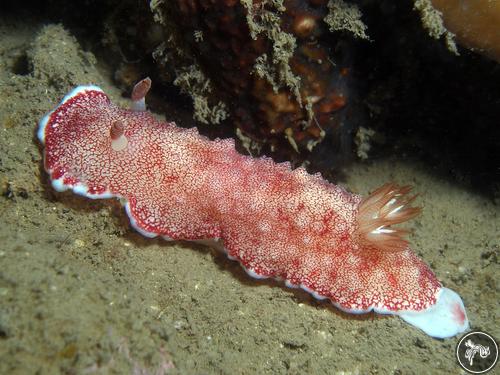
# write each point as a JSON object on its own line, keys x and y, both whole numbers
{"x": 269, "y": 65}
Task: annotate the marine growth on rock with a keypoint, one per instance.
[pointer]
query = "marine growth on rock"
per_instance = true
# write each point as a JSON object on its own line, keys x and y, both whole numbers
{"x": 274, "y": 67}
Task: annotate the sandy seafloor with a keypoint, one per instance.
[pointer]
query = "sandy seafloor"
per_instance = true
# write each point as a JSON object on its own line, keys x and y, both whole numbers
{"x": 82, "y": 293}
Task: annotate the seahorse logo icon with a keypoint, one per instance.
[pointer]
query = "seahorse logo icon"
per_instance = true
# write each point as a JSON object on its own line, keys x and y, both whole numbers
{"x": 477, "y": 352}
{"x": 484, "y": 351}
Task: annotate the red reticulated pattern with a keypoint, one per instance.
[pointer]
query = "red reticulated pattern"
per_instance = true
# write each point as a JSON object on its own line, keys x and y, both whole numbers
{"x": 277, "y": 222}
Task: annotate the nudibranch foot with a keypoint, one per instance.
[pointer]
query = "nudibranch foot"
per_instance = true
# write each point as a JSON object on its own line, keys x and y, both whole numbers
{"x": 276, "y": 222}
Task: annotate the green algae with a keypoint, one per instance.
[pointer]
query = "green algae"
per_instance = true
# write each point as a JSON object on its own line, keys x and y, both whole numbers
{"x": 189, "y": 76}
{"x": 275, "y": 69}
{"x": 343, "y": 16}
{"x": 432, "y": 22}
{"x": 194, "y": 82}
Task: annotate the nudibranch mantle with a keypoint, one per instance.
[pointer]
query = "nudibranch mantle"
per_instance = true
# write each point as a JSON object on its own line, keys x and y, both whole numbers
{"x": 277, "y": 222}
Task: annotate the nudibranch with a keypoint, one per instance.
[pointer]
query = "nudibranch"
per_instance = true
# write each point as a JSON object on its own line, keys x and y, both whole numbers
{"x": 277, "y": 222}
